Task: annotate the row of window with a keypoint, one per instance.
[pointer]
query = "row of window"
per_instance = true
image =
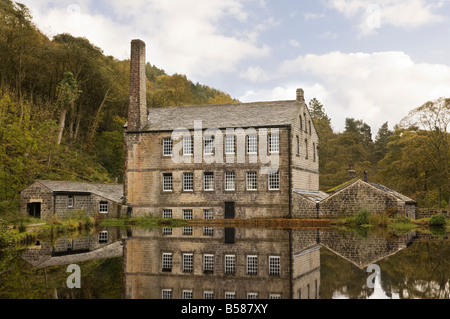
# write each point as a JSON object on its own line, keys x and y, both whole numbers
{"x": 314, "y": 148}
{"x": 229, "y": 264}
{"x": 304, "y": 126}
{"x": 188, "y": 294}
{"x": 103, "y": 205}
{"x": 230, "y": 144}
{"x": 229, "y": 181}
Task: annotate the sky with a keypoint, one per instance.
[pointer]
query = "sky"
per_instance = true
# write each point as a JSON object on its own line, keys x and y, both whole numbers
{"x": 372, "y": 60}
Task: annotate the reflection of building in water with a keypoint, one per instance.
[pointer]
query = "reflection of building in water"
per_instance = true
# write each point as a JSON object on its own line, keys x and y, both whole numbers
{"x": 202, "y": 263}
{"x": 103, "y": 244}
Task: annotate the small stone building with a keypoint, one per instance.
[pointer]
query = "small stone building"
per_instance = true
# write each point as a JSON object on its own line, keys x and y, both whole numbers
{"x": 351, "y": 197}
{"x": 43, "y": 199}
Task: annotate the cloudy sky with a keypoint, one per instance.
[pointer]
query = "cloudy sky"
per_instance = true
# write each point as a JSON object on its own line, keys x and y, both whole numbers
{"x": 372, "y": 60}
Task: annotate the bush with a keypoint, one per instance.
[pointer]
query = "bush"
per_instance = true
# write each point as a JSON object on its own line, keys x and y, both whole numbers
{"x": 381, "y": 220}
{"x": 400, "y": 219}
{"x": 437, "y": 220}
{"x": 362, "y": 217}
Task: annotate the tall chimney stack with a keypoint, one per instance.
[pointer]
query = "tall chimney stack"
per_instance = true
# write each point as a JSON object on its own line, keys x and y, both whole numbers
{"x": 300, "y": 95}
{"x": 137, "y": 108}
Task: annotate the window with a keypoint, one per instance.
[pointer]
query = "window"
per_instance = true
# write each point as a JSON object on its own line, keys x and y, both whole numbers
{"x": 274, "y": 143}
{"x": 188, "y": 181}
{"x": 167, "y": 182}
{"x": 103, "y": 208}
{"x": 166, "y": 231}
{"x": 188, "y": 146}
{"x": 314, "y": 152}
{"x": 208, "y": 214}
{"x": 208, "y": 295}
{"x": 274, "y": 296}
{"x": 167, "y": 213}
{"x": 306, "y": 129}
{"x": 208, "y": 264}
{"x": 208, "y": 181}
{"x": 230, "y": 264}
{"x": 187, "y": 230}
{"x": 252, "y": 144}
{"x": 230, "y": 183}
{"x": 252, "y": 295}
{"x": 167, "y": 146}
{"x": 298, "y": 145}
{"x": 209, "y": 144}
{"x": 274, "y": 265}
{"x": 188, "y": 263}
{"x": 252, "y": 181}
{"x": 274, "y": 181}
{"x": 309, "y": 125}
{"x": 230, "y": 144}
{"x": 187, "y": 213}
{"x": 252, "y": 265}
{"x": 187, "y": 294}
{"x": 230, "y": 295}
{"x": 208, "y": 231}
{"x": 306, "y": 149}
{"x": 70, "y": 201}
{"x": 167, "y": 262}
{"x": 166, "y": 294}
{"x": 301, "y": 123}
{"x": 103, "y": 237}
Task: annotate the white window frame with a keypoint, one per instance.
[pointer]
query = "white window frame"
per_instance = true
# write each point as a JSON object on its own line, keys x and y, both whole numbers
{"x": 188, "y": 263}
{"x": 230, "y": 181}
{"x": 208, "y": 231}
{"x": 187, "y": 294}
{"x": 208, "y": 294}
{"x": 252, "y": 295}
{"x": 208, "y": 214}
{"x": 187, "y": 231}
{"x": 166, "y": 231}
{"x": 230, "y": 264}
{"x": 208, "y": 181}
{"x": 166, "y": 294}
{"x": 230, "y": 295}
{"x": 208, "y": 145}
{"x": 188, "y": 145}
{"x": 230, "y": 144}
{"x": 103, "y": 236}
{"x": 274, "y": 143}
{"x": 252, "y": 144}
{"x": 70, "y": 201}
{"x": 251, "y": 179}
{"x": 188, "y": 182}
{"x": 188, "y": 213}
{"x": 274, "y": 181}
{"x": 166, "y": 262}
{"x": 274, "y": 265}
{"x": 167, "y": 146}
{"x": 101, "y": 207}
{"x": 252, "y": 265}
{"x": 208, "y": 263}
{"x": 167, "y": 182}
{"x": 274, "y": 296}
{"x": 167, "y": 213}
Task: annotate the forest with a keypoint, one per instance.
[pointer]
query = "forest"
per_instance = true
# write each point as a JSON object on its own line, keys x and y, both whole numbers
{"x": 63, "y": 104}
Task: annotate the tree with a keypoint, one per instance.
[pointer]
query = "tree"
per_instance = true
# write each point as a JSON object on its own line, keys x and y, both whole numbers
{"x": 381, "y": 141}
{"x": 67, "y": 94}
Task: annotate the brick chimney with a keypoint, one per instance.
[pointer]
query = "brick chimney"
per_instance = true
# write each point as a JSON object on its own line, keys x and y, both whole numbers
{"x": 300, "y": 96}
{"x": 137, "y": 108}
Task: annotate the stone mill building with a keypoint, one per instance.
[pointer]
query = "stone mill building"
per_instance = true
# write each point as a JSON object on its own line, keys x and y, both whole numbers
{"x": 241, "y": 160}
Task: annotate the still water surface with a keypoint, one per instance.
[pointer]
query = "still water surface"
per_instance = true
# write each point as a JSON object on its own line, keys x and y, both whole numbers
{"x": 241, "y": 263}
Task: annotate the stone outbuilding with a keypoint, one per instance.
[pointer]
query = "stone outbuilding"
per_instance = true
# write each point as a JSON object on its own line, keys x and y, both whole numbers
{"x": 349, "y": 198}
{"x": 43, "y": 199}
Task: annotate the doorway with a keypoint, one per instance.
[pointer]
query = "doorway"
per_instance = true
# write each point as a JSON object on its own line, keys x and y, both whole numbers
{"x": 229, "y": 210}
{"x": 34, "y": 210}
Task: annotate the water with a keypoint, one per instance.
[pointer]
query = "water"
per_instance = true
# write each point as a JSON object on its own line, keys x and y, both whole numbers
{"x": 222, "y": 263}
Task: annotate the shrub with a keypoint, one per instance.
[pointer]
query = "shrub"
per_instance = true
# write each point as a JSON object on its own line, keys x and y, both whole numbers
{"x": 379, "y": 219}
{"x": 362, "y": 217}
{"x": 437, "y": 220}
{"x": 400, "y": 219}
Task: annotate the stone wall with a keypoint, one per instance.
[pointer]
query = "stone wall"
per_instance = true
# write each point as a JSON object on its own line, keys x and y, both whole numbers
{"x": 37, "y": 193}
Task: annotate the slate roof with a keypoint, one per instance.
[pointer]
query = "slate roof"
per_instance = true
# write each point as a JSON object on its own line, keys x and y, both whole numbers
{"x": 396, "y": 194}
{"x": 112, "y": 192}
{"x": 258, "y": 114}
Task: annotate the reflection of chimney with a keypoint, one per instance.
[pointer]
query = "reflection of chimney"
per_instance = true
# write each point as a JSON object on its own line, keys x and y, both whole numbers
{"x": 137, "y": 108}
{"x": 300, "y": 95}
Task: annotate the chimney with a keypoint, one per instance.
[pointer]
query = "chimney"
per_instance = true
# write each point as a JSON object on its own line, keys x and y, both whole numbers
{"x": 137, "y": 108}
{"x": 300, "y": 96}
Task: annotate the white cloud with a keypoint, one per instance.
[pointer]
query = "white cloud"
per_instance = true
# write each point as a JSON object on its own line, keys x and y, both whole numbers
{"x": 255, "y": 74}
{"x": 294, "y": 43}
{"x": 376, "y": 87}
{"x": 181, "y": 36}
{"x": 375, "y": 14}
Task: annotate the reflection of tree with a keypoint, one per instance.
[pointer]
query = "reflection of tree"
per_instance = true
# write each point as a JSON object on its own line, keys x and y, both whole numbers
{"x": 421, "y": 271}
{"x": 339, "y": 275}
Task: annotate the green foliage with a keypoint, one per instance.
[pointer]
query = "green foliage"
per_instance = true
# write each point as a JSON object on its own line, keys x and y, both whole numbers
{"x": 437, "y": 220}
{"x": 362, "y": 217}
